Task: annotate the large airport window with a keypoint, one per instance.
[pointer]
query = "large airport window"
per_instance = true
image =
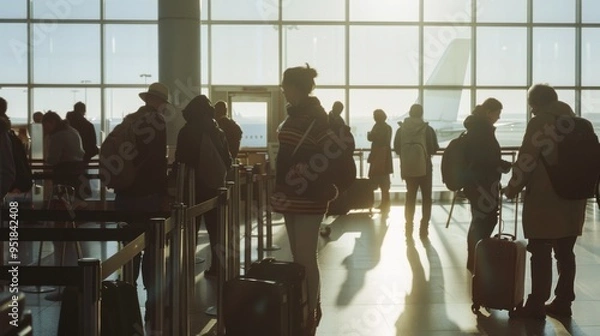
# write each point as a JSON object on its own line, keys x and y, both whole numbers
{"x": 66, "y": 10}
{"x": 13, "y": 53}
{"x": 204, "y": 66}
{"x": 61, "y": 101}
{"x": 16, "y": 99}
{"x": 446, "y": 56}
{"x": 16, "y": 10}
{"x": 245, "y": 55}
{"x": 68, "y": 54}
{"x": 448, "y": 109}
{"x": 554, "y": 56}
{"x": 131, "y": 54}
{"x": 204, "y": 10}
{"x": 258, "y": 10}
{"x": 313, "y": 10}
{"x": 554, "y": 11}
{"x": 447, "y": 10}
{"x": 328, "y": 96}
{"x": 390, "y": 59}
{"x": 119, "y": 102}
{"x": 590, "y": 54}
{"x": 590, "y": 107}
{"x": 384, "y": 10}
{"x": 322, "y": 47}
{"x": 500, "y": 49}
{"x": 503, "y": 11}
{"x": 567, "y": 96}
{"x": 394, "y": 102}
{"x": 131, "y": 9}
{"x": 590, "y": 12}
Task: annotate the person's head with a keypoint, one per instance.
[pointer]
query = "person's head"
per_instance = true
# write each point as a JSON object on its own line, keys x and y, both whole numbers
{"x": 220, "y": 109}
{"x": 337, "y": 107}
{"x": 416, "y": 111}
{"x": 298, "y": 83}
{"x": 490, "y": 110}
{"x": 79, "y": 107}
{"x": 540, "y": 95}
{"x": 37, "y": 117}
{"x": 199, "y": 109}
{"x": 156, "y": 96}
{"x": 50, "y": 121}
{"x": 3, "y": 106}
{"x": 379, "y": 115}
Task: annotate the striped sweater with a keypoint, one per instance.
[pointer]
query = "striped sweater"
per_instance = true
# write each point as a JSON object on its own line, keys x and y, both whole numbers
{"x": 295, "y": 172}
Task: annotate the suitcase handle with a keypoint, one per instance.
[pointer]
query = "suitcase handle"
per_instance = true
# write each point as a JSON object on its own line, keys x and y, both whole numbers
{"x": 500, "y": 220}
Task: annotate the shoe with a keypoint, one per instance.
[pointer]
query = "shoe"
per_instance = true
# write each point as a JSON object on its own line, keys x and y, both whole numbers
{"x": 559, "y": 309}
{"x": 528, "y": 312}
{"x": 210, "y": 273}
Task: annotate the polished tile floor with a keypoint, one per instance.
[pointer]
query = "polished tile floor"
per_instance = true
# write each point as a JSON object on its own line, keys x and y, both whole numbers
{"x": 377, "y": 282}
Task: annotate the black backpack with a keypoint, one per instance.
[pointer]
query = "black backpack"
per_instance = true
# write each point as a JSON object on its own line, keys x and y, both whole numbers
{"x": 23, "y": 177}
{"x": 455, "y": 164}
{"x": 575, "y": 172}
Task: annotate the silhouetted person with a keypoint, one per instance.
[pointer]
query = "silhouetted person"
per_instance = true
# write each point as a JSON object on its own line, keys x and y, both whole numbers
{"x": 37, "y": 117}
{"x": 233, "y": 131}
{"x": 380, "y": 158}
{"x": 7, "y": 165}
{"x": 86, "y": 130}
{"x": 486, "y": 168}
{"x": 335, "y": 115}
{"x": 415, "y": 142}
{"x": 550, "y": 223}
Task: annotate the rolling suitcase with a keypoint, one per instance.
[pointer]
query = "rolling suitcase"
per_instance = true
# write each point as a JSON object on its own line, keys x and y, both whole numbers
{"x": 499, "y": 273}
{"x": 360, "y": 195}
{"x": 256, "y": 307}
{"x": 293, "y": 276}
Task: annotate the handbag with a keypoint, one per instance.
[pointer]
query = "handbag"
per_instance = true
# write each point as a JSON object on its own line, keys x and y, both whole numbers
{"x": 211, "y": 169}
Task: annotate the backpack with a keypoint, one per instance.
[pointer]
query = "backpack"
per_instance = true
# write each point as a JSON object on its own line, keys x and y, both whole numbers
{"x": 412, "y": 149}
{"x": 116, "y": 161}
{"x": 455, "y": 163}
{"x": 23, "y": 176}
{"x": 214, "y": 161}
{"x": 575, "y": 172}
{"x": 342, "y": 169}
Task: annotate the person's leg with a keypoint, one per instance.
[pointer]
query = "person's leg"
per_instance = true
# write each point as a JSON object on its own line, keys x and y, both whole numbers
{"x": 565, "y": 260}
{"x": 426, "y": 193}
{"x": 303, "y": 233}
{"x": 409, "y": 207}
{"x": 211, "y": 220}
{"x": 385, "y": 185}
{"x": 541, "y": 272}
{"x": 124, "y": 203}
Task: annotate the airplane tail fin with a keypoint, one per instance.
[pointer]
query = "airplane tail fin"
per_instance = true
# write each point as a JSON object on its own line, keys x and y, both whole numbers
{"x": 451, "y": 69}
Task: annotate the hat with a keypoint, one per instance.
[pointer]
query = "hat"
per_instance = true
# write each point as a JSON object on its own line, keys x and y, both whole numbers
{"x": 158, "y": 90}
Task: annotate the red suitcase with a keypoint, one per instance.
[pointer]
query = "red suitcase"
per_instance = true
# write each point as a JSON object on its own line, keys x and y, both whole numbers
{"x": 499, "y": 274}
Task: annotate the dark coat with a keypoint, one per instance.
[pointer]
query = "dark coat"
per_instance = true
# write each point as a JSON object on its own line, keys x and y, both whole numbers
{"x": 381, "y": 139}
{"x": 545, "y": 214}
{"x": 87, "y": 132}
{"x": 198, "y": 115}
{"x": 484, "y": 155}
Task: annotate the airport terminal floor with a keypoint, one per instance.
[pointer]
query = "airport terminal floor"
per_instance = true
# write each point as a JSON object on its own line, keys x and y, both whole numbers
{"x": 377, "y": 282}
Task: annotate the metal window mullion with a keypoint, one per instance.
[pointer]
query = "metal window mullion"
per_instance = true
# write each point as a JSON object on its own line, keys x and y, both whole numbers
{"x": 421, "y": 70}
{"x": 473, "y": 54}
{"x": 529, "y": 53}
{"x": 29, "y": 63}
{"x": 578, "y": 67}
{"x": 347, "y": 63}
{"x": 208, "y": 44}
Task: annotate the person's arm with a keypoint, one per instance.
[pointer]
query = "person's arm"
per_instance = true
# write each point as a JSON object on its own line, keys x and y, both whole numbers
{"x": 432, "y": 142}
{"x": 90, "y": 145}
{"x": 398, "y": 141}
{"x": 7, "y": 165}
{"x": 527, "y": 160}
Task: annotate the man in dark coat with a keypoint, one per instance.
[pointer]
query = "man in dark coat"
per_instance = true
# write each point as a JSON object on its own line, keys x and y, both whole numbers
{"x": 86, "y": 130}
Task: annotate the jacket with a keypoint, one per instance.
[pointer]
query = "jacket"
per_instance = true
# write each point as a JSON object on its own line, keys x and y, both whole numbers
{"x": 291, "y": 181}
{"x": 408, "y": 130}
{"x": 233, "y": 133}
{"x": 87, "y": 132}
{"x": 381, "y": 141}
{"x": 545, "y": 214}
{"x": 189, "y": 141}
{"x": 484, "y": 156}
{"x": 151, "y": 144}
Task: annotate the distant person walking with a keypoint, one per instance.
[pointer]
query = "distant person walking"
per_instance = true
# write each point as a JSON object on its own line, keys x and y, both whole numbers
{"x": 415, "y": 142}
{"x": 233, "y": 131}
{"x": 335, "y": 115}
{"x": 380, "y": 158}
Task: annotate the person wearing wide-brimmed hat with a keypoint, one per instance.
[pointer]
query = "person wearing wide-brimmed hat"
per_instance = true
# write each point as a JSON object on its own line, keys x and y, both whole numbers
{"x": 149, "y": 187}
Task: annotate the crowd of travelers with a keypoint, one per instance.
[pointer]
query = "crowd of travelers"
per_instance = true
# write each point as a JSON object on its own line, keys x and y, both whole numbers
{"x": 550, "y": 222}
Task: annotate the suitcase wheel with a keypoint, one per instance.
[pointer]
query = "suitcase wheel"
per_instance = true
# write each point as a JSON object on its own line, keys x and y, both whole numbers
{"x": 475, "y": 308}
{"x": 325, "y": 231}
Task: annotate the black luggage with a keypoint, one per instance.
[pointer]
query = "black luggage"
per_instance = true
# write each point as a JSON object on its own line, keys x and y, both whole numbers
{"x": 499, "y": 273}
{"x": 360, "y": 195}
{"x": 293, "y": 276}
{"x": 120, "y": 310}
{"x": 256, "y": 307}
